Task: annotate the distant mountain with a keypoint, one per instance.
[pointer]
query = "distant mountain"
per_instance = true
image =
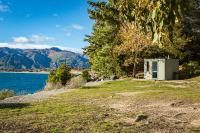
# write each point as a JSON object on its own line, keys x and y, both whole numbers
{"x": 40, "y": 58}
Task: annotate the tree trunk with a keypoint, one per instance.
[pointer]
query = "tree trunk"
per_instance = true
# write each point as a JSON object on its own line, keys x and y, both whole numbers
{"x": 134, "y": 69}
{"x": 135, "y": 65}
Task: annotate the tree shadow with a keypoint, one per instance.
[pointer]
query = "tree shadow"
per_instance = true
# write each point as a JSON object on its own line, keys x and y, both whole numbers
{"x": 90, "y": 87}
{"x": 13, "y": 105}
{"x": 191, "y": 76}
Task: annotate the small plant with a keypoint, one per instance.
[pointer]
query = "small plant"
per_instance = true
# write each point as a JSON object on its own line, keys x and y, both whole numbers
{"x": 86, "y": 75}
{"x": 6, "y": 94}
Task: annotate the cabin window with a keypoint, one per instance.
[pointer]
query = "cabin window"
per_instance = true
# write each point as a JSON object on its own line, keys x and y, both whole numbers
{"x": 155, "y": 70}
{"x": 147, "y": 66}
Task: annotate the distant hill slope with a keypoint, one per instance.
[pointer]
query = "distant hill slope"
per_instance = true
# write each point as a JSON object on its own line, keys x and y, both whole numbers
{"x": 40, "y": 58}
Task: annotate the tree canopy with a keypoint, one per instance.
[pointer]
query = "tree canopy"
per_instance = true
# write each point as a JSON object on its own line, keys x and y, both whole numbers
{"x": 126, "y": 31}
{"x": 157, "y": 16}
{"x": 62, "y": 75}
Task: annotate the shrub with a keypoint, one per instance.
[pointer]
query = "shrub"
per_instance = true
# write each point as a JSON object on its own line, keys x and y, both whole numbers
{"x": 76, "y": 82}
{"x": 191, "y": 69}
{"x": 6, "y": 94}
{"x": 52, "y": 77}
{"x": 61, "y": 75}
{"x": 85, "y": 75}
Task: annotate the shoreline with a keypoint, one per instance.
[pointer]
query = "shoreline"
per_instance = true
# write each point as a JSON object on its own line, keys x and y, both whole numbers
{"x": 26, "y": 72}
{"x": 46, "y": 94}
{"x": 35, "y": 97}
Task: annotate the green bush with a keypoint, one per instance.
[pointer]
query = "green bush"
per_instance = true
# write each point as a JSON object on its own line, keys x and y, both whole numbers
{"x": 6, "y": 94}
{"x": 85, "y": 75}
{"x": 52, "y": 77}
{"x": 61, "y": 75}
{"x": 191, "y": 69}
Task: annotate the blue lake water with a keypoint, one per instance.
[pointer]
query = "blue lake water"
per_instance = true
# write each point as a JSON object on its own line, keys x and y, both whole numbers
{"x": 23, "y": 83}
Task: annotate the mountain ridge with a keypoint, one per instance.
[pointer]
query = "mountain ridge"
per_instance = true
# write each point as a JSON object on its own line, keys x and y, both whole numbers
{"x": 15, "y": 58}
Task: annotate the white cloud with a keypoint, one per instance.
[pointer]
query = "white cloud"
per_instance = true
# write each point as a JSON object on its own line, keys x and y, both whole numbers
{"x": 4, "y": 8}
{"x": 41, "y": 38}
{"x": 37, "y": 46}
{"x": 33, "y": 39}
{"x": 1, "y": 19}
{"x": 78, "y": 27}
{"x": 36, "y": 42}
{"x": 20, "y": 40}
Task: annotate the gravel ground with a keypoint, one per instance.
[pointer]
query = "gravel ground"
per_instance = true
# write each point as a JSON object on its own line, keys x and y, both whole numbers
{"x": 96, "y": 83}
{"x": 39, "y": 96}
{"x": 44, "y": 95}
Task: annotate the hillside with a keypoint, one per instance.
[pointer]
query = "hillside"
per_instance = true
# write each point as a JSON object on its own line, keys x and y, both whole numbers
{"x": 123, "y": 106}
{"x": 40, "y": 58}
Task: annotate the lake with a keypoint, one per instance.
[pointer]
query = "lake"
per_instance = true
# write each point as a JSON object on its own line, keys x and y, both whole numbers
{"x": 23, "y": 83}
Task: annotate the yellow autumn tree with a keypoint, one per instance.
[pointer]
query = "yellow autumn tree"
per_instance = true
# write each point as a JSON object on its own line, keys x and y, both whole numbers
{"x": 155, "y": 16}
{"x": 133, "y": 43}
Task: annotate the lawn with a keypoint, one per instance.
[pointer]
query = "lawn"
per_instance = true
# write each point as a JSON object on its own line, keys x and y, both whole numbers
{"x": 111, "y": 107}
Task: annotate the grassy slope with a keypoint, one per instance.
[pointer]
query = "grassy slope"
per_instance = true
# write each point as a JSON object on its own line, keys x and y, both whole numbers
{"x": 86, "y": 110}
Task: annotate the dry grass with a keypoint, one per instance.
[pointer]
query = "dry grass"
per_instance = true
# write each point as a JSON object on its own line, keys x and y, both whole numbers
{"x": 111, "y": 107}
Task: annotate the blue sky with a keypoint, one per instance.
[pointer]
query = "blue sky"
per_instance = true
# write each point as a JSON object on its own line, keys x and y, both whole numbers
{"x": 44, "y": 23}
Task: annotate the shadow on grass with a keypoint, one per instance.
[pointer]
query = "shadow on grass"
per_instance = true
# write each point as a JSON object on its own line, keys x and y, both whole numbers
{"x": 194, "y": 77}
{"x": 13, "y": 105}
{"x": 189, "y": 76}
{"x": 90, "y": 87}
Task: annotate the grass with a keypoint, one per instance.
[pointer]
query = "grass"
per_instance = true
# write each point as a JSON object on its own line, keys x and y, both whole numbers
{"x": 195, "y": 79}
{"x": 6, "y": 94}
{"x": 86, "y": 109}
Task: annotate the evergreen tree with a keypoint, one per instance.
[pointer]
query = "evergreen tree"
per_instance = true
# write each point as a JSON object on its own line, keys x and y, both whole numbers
{"x": 126, "y": 31}
{"x": 61, "y": 75}
{"x": 104, "y": 37}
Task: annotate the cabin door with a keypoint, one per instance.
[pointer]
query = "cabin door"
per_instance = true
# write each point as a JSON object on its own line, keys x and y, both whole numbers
{"x": 154, "y": 70}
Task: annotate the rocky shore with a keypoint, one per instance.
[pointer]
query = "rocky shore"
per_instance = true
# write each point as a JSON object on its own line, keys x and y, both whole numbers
{"x": 37, "y": 97}
{"x": 46, "y": 94}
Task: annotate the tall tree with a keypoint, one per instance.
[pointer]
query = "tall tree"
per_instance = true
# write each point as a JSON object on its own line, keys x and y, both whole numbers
{"x": 125, "y": 31}
{"x": 157, "y": 16}
{"x": 100, "y": 51}
{"x": 133, "y": 44}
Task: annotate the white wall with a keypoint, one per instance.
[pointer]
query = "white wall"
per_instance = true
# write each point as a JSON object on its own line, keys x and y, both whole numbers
{"x": 161, "y": 69}
{"x": 166, "y": 68}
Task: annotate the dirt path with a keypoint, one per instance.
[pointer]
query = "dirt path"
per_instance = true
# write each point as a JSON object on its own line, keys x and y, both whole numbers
{"x": 97, "y": 83}
{"x": 44, "y": 95}
{"x": 180, "y": 114}
{"x": 39, "y": 96}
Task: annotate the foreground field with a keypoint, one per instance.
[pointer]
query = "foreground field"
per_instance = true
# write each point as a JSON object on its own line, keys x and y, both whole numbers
{"x": 119, "y": 106}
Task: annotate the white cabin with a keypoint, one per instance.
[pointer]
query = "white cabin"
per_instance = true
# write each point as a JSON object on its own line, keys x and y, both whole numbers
{"x": 161, "y": 69}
